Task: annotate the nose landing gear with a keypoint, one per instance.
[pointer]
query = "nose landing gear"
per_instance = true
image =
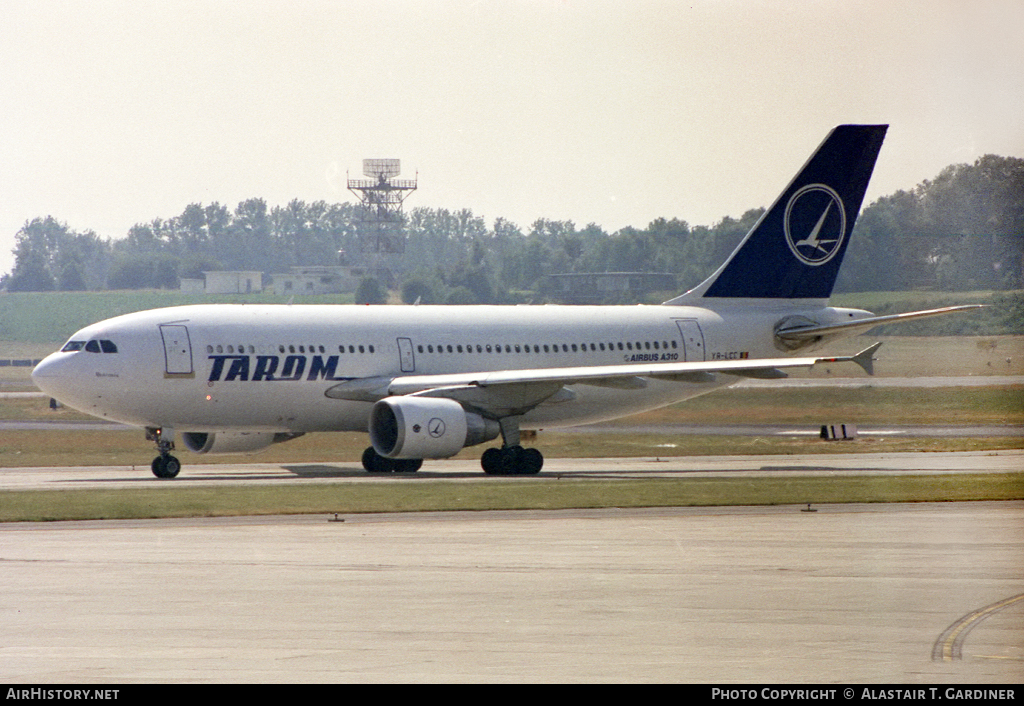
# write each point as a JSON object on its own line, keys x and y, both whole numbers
{"x": 165, "y": 465}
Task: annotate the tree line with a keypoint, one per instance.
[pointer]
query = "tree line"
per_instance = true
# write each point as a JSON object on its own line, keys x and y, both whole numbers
{"x": 962, "y": 230}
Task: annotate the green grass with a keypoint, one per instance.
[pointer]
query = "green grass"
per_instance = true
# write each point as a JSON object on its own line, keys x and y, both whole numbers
{"x": 805, "y": 409}
{"x": 411, "y": 496}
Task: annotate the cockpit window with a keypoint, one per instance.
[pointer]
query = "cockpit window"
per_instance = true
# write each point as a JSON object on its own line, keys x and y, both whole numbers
{"x": 108, "y": 346}
{"x": 93, "y": 346}
{"x": 72, "y": 346}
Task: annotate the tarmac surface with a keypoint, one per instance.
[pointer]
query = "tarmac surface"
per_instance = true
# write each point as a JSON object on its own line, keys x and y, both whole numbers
{"x": 248, "y": 473}
{"x": 886, "y": 593}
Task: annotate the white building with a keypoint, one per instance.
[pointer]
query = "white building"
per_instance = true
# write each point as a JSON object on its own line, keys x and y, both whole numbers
{"x": 233, "y": 282}
{"x": 318, "y": 279}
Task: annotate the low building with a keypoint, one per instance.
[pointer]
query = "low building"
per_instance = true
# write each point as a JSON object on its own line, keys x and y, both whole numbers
{"x": 190, "y": 285}
{"x": 233, "y": 282}
{"x": 318, "y": 279}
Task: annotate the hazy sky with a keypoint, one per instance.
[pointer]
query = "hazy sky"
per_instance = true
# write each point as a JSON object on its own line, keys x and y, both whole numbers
{"x": 614, "y": 112}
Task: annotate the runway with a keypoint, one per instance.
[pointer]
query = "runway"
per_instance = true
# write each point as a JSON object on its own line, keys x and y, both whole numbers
{"x": 249, "y": 473}
{"x": 851, "y": 593}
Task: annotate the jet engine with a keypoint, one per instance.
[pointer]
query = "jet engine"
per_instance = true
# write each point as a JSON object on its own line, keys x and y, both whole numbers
{"x": 233, "y": 442}
{"x": 426, "y": 427}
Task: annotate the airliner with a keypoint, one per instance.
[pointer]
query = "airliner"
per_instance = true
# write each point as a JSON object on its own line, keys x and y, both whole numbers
{"x": 427, "y": 381}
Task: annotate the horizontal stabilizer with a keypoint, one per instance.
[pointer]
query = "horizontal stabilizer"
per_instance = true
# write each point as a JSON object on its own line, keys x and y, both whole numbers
{"x": 813, "y": 331}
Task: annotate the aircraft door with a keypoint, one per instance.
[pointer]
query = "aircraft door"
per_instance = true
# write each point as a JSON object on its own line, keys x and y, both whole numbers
{"x": 405, "y": 355}
{"x": 177, "y": 349}
{"x": 693, "y": 339}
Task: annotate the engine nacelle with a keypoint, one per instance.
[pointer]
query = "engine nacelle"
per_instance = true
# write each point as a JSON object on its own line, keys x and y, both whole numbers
{"x": 426, "y": 427}
{"x": 232, "y": 442}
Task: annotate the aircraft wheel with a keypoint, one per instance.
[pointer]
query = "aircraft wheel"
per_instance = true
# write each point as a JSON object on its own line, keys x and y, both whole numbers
{"x": 165, "y": 466}
{"x": 375, "y": 463}
{"x": 408, "y": 465}
{"x": 512, "y": 461}
{"x": 491, "y": 461}
{"x": 532, "y": 461}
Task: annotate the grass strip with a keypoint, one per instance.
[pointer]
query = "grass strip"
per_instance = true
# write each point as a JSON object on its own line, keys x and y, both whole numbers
{"x": 412, "y": 496}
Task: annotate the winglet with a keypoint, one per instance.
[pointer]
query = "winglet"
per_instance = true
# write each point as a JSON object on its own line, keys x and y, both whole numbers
{"x": 865, "y": 359}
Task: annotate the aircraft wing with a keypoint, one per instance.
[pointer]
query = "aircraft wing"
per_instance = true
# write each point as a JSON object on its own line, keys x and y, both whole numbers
{"x": 524, "y": 389}
{"x": 805, "y": 331}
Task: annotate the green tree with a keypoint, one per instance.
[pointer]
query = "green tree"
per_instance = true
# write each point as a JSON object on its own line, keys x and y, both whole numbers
{"x": 371, "y": 291}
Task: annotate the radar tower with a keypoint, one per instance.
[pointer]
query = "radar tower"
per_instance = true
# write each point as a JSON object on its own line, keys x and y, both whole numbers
{"x": 381, "y": 198}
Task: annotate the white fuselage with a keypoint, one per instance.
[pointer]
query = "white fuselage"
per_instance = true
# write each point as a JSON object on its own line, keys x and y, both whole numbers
{"x": 209, "y": 368}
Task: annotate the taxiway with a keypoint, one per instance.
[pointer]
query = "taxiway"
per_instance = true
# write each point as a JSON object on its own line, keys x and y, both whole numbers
{"x": 892, "y": 593}
{"x": 851, "y": 593}
{"x": 248, "y": 473}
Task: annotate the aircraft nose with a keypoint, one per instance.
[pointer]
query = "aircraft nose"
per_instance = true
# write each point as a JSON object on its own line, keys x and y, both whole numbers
{"x": 48, "y": 367}
{"x": 49, "y": 372}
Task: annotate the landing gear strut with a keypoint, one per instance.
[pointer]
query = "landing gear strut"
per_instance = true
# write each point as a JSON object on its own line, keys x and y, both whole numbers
{"x": 375, "y": 463}
{"x": 511, "y": 459}
{"x": 165, "y": 465}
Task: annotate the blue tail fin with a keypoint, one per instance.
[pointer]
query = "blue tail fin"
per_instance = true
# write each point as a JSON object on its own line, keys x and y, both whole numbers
{"x": 795, "y": 249}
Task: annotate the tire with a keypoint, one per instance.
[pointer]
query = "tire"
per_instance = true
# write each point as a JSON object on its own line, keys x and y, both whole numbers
{"x": 373, "y": 462}
{"x": 491, "y": 461}
{"x": 165, "y": 466}
{"x": 408, "y": 465}
{"x": 532, "y": 461}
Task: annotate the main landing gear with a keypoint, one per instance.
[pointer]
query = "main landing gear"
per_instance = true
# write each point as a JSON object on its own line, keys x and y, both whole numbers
{"x": 165, "y": 465}
{"x": 511, "y": 459}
